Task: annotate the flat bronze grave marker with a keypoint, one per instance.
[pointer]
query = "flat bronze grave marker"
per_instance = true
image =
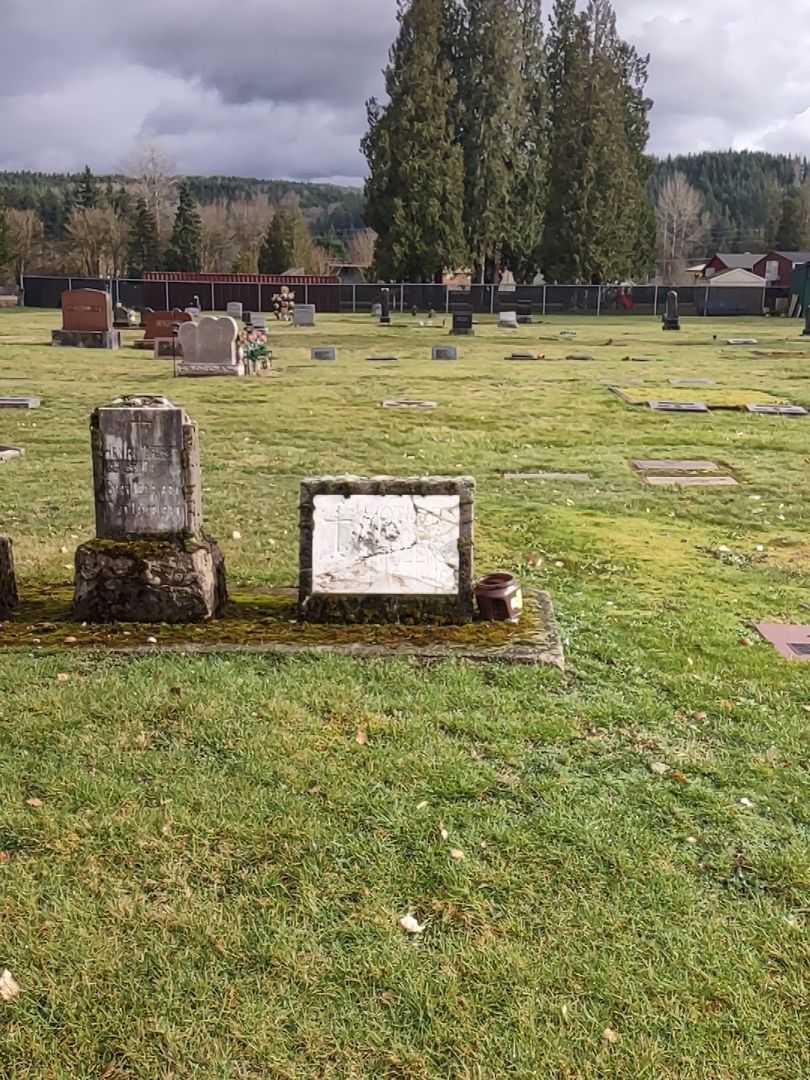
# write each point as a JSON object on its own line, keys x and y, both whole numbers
{"x": 692, "y": 382}
{"x": 792, "y": 641}
{"x": 382, "y": 359}
{"x": 574, "y": 477}
{"x": 409, "y": 403}
{"x": 19, "y": 402}
{"x": 679, "y": 406}
{"x": 674, "y": 465}
{"x": 777, "y": 410}
{"x": 523, "y": 356}
{"x": 656, "y": 480}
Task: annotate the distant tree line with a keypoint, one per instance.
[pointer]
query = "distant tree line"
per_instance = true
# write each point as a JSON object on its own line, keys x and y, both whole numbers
{"x": 147, "y": 218}
{"x": 508, "y": 144}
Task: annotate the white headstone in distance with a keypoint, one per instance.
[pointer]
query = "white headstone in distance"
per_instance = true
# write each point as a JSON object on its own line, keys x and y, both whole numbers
{"x": 304, "y": 315}
{"x": 234, "y": 309}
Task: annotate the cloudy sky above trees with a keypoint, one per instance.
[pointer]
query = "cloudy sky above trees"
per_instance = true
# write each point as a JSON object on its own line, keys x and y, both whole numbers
{"x": 275, "y": 88}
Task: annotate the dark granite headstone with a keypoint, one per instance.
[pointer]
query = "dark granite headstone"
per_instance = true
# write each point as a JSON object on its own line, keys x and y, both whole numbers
{"x": 385, "y": 307}
{"x": 8, "y": 580}
{"x": 672, "y": 319}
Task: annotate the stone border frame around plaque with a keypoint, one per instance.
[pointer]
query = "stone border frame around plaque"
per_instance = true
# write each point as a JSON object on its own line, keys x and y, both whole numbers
{"x": 455, "y": 607}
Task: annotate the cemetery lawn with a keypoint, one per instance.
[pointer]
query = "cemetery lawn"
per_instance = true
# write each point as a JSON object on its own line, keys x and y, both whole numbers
{"x": 203, "y": 862}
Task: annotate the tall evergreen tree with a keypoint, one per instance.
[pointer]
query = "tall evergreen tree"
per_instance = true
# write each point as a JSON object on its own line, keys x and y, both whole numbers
{"x": 5, "y": 239}
{"x": 489, "y": 79}
{"x": 87, "y": 190}
{"x": 523, "y": 240}
{"x": 144, "y": 246}
{"x": 415, "y": 188}
{"x": 185, "y": 247}
{"x": 278, "y": 250}
{"x": 789, "y": 235}
{"x": 599, "y": 225}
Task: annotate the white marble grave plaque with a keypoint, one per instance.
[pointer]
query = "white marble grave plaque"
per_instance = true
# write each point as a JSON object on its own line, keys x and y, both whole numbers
{"x": 386, "y": 544}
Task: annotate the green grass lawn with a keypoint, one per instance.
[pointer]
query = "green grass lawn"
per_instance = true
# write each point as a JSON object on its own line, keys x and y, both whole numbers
{"x": 203, "y": 867}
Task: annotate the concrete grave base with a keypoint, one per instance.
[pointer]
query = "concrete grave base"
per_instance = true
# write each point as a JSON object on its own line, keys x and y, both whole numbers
{"x": 87, "y": 339}
{"x": 149, "y": 581}
{"x": 8, "y": 580}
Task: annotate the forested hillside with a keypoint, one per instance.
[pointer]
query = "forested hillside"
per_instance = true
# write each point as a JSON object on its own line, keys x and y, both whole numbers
{"x": 744, "y": 193}
{"x": 327, "y": 209}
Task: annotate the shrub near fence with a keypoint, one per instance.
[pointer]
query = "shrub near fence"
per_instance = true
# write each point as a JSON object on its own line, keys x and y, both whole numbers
{"x": 569, "y": 300}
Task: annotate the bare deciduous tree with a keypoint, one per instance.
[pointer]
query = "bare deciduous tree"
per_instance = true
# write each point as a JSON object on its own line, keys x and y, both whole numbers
{"x": 25, "y": 234}
{"x": 218, "y": 242}
{"x": 89, "y": 232}
{"x": 361, "y": 246}
{"x": 250, "y": 220}
{"x": 682, "y": 226}
{"x": 154, "y": 174}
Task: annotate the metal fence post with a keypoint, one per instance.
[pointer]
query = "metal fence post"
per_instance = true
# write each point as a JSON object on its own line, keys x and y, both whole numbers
{"x": 213, "y": 300}
{"x": 70, "y": 284}
{"x": 655, "y": 301}
{"x": 598, "y": 300}
{"x": 544, "y": 298}
{"x": 354, "y": 299}
{"x": 492, "y": 299}
{"x": 166, "y": 283}
{"x": 402, "y": 296}
{"x": 447, "y": 299}
{"x": 306, "y": 293}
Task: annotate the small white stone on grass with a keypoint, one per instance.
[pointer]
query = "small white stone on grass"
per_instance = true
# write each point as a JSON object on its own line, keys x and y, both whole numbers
{"x": 456, "y": 854}
{"x": 659, "y": 768}
{"x": 9, "y": 987}
{"x": 410, "y": 925}
{"x": 746, "y": 802}
{"x": 236, "y": 535}
{"x": 151, "y": 641}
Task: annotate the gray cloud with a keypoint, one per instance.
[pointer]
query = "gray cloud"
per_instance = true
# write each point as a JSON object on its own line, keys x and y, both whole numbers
{"x": 276, "y": 88}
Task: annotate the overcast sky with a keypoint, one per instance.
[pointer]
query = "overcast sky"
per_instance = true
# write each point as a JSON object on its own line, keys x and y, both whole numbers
{"x": 276, "y": 88}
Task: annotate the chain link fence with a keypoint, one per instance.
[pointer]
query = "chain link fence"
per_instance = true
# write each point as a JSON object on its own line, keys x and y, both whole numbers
{"x": 539, "y": 300}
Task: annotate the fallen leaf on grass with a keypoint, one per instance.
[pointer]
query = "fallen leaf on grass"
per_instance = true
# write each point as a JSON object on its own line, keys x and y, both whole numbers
{"x": 62, "y": 677}
{"x": 4, "y": 857}
{"x": 610, "y": 1036}
{"x": 679, "y": 777}
{"x": 387, "y": 998}
{"x": 9, "y": 987}
{"x": 410, "y": 925}
{"x": 361, "y": 738}
{"x": 443, "y": 833}
{"x": 456, "y": 854}
{"x": 660, "y": 768}
{"x": 422, "y": 805}
{"x": 36, "y": 803}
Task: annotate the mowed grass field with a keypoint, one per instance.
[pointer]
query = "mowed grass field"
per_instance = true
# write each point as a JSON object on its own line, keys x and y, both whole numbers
{"x": 203, "y": 862}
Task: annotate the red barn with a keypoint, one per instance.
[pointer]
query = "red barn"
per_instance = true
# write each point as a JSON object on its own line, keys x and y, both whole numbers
{"x": 777, "y": 266}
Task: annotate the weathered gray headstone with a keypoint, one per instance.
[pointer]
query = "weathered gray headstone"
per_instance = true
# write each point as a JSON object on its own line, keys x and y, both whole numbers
{"x": 376, "y": 311}
{"x": 146, "y": 469}
{"x": 235, "y": 309}
{"x": 210, "y": 347}
{"x": 672, "y": 319}
{"x": 674, "y": 465}
{"x": 151, "y": 560}
{"x": 508, "y": 319}
{"x": 679, "y": 406}
{"x": 8, "y": 580}
{"x": 258, "y": 322}
{"x": 690, "y": 481}
{"x": 386, "y": 549}
{"x": 304, "y": 315}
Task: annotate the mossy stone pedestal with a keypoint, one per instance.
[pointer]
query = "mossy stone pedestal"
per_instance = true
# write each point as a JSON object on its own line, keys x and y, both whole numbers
{"x": 149, "y": 581}
{"x": 8, "y": 580}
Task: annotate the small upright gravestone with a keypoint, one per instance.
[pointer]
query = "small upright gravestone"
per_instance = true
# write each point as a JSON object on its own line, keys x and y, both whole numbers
{"x": 324, "y": 353}
{"x": 508, "y": 319}
{"x": 151, "y": 560}
{"x": 806, "y": 331}
{"x": 386, "y": 549}
{"x": 444, "y": 352}
{"x": 234, "y": 309}
{"x": 385, "y": 307}
{"x": 210, "y": 347}
{"x": 304, "y": 315}
{"x": 672, "y": 320}
{"x": 87, "y": 321}
{"x": 8, "y": 580}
